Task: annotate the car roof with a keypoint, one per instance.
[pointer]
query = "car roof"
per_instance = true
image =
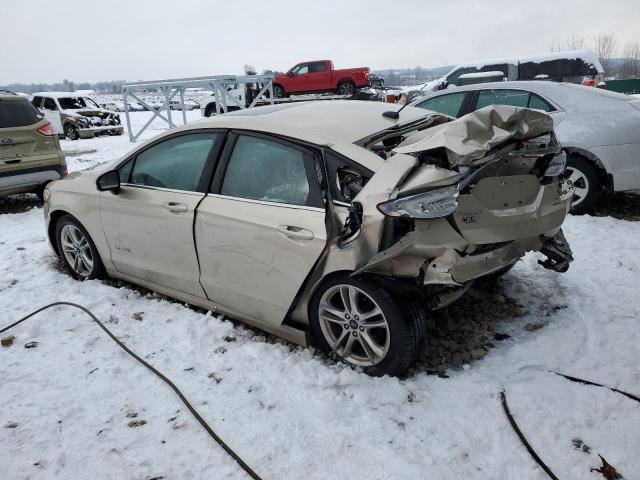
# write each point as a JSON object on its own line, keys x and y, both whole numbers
{"x": 320, "y": 122}
{"x": 541, "y": 86}
{"x": 60, "y": 94}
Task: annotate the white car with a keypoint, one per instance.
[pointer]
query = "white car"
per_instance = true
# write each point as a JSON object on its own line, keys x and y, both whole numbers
{"x": 209, "y": 105}
{"x": 76, "y": 116}
{"x": 599, "y": 129}
{"x": 178, "y": 105}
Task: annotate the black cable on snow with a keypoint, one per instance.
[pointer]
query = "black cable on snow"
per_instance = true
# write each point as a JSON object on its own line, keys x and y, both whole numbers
{"x": 186, "y": 402}
{"x": 587, "y": 382}
{"x": 522, "y": 438}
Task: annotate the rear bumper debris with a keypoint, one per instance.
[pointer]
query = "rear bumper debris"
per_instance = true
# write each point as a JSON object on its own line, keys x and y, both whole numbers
{"x": 558, "y": 253}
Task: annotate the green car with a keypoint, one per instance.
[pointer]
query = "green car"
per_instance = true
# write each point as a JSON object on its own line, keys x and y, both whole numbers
{"x": 30, "y": 155}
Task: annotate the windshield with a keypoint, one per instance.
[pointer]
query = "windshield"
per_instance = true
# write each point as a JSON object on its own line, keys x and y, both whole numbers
{"x": 76, "y": 103}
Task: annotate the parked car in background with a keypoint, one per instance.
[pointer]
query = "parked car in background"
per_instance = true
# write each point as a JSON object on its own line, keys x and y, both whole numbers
{"x": 599, "y": 129}
{"x": 80, "y": 117}
{"x": 322, "y": 222}
{"x": 575, "y": 66}
{"x": 30, "y": 155}
{"x": 178, "y": 105}
{"x": 209, "y": 105}
{"x": 320, "y": 76}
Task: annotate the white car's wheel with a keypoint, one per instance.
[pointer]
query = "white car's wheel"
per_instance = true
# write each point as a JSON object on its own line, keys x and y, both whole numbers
{"x": 77, "y": 250}
{"x": 361, "y": 324}
{"x": 583, "y": 179}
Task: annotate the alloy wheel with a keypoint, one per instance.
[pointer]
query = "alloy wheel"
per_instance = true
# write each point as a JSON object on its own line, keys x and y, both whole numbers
{"x": 354, "y": 325}
{"x": 576, "y": 181}
{"x": 76, "y": 250}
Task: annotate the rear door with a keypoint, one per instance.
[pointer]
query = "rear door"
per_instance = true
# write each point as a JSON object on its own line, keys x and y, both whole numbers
{"x": 149, "y": 222}
{"x": 52, "y": 113}
{"x": 262, "y": 228}
{"x": 319, "y": 76}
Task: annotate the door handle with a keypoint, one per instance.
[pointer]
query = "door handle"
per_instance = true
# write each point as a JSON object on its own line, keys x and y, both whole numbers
{"x": 176, "y": 207}
{"x": 295, "y": 232}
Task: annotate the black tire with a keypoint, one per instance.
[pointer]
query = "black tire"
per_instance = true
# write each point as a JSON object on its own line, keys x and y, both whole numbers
{"x": 406, "y": 322}
{"x": 97, "y": 269}
{"x": 346, "y": 88}
{"x": 71, "y": 132}
{"x": 278, "y": 92}
{"x": 210, "y": 110}
{"x": 588, "y": 177}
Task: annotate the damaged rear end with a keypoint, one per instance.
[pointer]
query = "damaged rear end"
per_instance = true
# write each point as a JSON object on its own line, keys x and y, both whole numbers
{"x": 458, "y": 201}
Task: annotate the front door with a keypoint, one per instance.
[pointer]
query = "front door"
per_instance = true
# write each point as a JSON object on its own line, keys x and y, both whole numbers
{"x": 149, "y": 222}
{"x": 261, "y": 230}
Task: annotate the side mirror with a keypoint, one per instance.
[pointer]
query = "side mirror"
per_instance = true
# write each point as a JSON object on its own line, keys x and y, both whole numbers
{"x": 290, "y": 74}
{"x": 109, "y": 181}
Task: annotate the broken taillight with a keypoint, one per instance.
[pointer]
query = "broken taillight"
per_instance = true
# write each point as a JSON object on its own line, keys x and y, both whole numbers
{"x": 46, "y": 130}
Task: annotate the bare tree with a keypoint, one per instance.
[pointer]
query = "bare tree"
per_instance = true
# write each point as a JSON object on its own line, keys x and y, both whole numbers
{"x": 574, "y": 42}
{"x": 606, "y": 45}
{"x": 631, "y": 65}
{"x": 250, "y": 70}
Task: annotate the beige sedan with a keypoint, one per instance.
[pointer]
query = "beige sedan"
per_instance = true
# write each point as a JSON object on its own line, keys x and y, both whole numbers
{"x": 326, "y": 223}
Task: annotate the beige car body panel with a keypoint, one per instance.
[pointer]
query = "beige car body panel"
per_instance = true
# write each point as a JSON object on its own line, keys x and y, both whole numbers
{"x": 260, "y": 261}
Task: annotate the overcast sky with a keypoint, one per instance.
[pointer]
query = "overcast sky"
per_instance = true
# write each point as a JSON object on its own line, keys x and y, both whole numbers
{"x": 49, "y": 40}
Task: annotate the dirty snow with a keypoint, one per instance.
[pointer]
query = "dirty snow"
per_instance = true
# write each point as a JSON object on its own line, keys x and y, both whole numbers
{"x": 290, "y": 412}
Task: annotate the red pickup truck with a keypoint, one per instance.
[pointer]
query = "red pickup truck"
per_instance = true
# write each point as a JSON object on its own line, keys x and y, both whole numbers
{"x": 319, "y": 76}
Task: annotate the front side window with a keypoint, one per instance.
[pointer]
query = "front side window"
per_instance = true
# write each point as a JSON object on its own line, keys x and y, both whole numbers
{"x": 301, "y": 69}
{"x": 447, "y": 104}
{"x": 36, "y": 102}
{"x": 260, "y": 169}
{"x": 176, "y": 163}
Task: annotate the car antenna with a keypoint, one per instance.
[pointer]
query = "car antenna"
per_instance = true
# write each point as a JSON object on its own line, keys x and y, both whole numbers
{"x": 396, "y": 115}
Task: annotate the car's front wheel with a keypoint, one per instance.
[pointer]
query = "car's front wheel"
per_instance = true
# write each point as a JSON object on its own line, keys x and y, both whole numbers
{"x": 77, "y": 251}
{"x": 583, "y": 178}
{"x": 363, "y": 325}
{"x": 70, "y": 132}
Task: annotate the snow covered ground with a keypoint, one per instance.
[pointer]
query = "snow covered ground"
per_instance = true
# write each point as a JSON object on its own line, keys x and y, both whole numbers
{"x": 67, "y": 405}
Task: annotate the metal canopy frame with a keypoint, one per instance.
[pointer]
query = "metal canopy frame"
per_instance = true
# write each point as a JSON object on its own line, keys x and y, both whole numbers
{"x": 170, "y": 88}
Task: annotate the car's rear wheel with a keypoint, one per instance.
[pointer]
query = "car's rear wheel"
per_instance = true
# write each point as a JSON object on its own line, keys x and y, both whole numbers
{"x": 346, "y": 88}
{"x": 583, "y": 178}
{"x": 77, "y": 251}
{"x": 70, "y": 132}
{"x": 361, "y": 324}
{"x": 278, "y": 92}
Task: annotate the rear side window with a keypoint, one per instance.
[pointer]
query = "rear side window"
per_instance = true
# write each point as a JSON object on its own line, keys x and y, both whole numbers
{"x": 448, "y": 104}
{"x": 176, "y": 163}
{"x": 515, "y": 98}
{"x": 317, "y": 67}
{"x": 260, "y": 169}
{"x": 17, "y": 113}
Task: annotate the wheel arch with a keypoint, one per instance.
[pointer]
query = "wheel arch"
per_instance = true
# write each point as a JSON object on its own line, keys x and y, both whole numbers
{"x": 54, "y": 217}
{"x": 606, "y": 177}
{"x": 345, "y": 80}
